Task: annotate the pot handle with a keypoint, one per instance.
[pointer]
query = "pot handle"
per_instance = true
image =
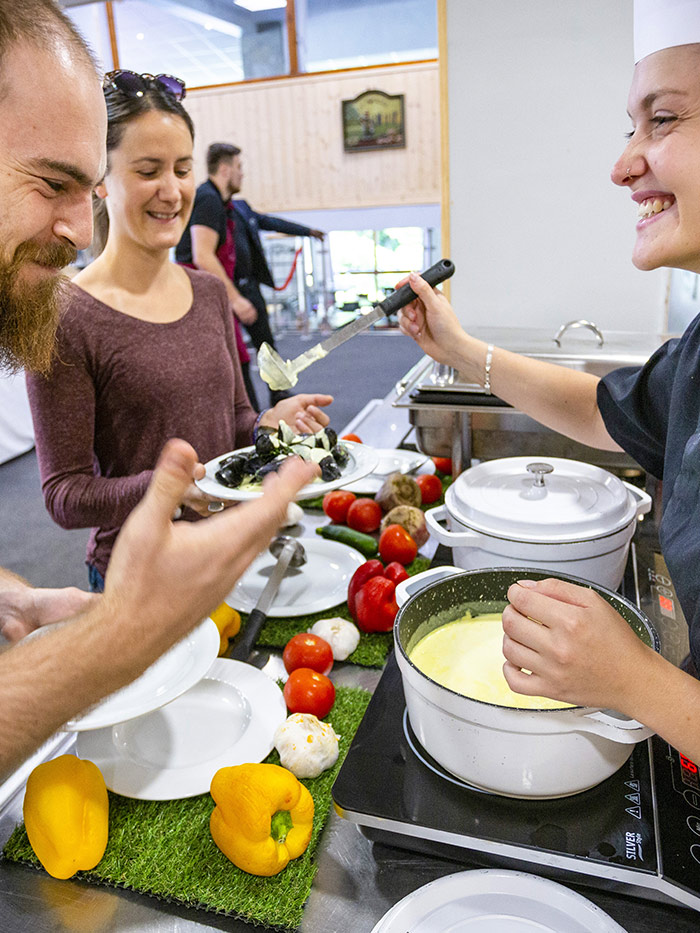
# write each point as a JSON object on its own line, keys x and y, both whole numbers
{"x": 466, "y": 538}
{"x": 418, "y": 581}
{"x": 643, "y": 498}
{"x": 611, "y": 725}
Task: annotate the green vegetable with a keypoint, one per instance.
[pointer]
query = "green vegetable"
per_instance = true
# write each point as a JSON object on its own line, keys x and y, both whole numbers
{"x": 363, "y": 543}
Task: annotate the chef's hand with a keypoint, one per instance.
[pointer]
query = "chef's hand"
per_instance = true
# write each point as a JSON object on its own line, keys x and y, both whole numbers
{"x": 579, "y": 650}
{"x": 165, "y": 576}
{"x": 301, "y": 412}
{"x": 25, "y": 608}
{"x": 431, "y": 321}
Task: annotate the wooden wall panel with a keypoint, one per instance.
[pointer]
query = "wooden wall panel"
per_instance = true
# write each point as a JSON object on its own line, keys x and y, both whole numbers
{"x": 290, "y": 132}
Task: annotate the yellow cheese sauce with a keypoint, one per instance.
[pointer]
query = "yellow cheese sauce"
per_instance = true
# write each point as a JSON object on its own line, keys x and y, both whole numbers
{"x": 467, "y": 656}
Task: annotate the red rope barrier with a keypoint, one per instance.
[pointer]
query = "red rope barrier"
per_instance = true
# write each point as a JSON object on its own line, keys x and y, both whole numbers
{"x": 281, "y": 288}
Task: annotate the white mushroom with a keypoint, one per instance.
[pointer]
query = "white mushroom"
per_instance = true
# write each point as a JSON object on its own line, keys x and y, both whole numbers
{"x": 341, "y": 635}
{"x": 306, "y": 745}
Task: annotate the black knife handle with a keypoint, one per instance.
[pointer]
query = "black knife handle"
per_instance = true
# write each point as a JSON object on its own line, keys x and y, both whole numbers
{"x": 402, "y": 296}
{"x": 243, "y": 644}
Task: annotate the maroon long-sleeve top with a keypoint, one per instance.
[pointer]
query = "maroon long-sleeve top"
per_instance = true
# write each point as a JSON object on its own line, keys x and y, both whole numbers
{"x": 121, "y": 387}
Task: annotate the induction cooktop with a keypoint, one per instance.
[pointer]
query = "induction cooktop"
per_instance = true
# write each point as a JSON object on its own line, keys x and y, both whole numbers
{"x": 637, "y": 832}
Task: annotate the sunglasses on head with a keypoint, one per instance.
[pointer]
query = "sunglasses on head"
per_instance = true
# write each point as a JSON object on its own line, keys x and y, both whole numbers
{"x": 135, "y": 85}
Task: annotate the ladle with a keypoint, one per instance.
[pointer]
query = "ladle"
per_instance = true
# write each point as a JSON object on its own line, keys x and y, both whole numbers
{"x": 288, "y": 551}
{"x": 280, "y": 374}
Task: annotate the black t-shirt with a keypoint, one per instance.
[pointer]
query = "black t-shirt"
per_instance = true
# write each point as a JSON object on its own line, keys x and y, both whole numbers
{"x": 209, "y": 210}
{"x": 654, "y": 414}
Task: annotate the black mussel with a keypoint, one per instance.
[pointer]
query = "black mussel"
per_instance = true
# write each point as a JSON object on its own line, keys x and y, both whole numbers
{"x": 230, "y": 459}
{"x": 329, "y": 469}
{"x": 252, "y": 465}
{"x": 231, "y": 474}
{"x": 264, "y": 447}
{"x": 340, "y": 455}
{"x": 271, "y": 467}
{"x": 332, "y": 437}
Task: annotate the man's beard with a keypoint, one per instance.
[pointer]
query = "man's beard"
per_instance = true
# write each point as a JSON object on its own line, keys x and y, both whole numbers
{"x": 29, "y": 311}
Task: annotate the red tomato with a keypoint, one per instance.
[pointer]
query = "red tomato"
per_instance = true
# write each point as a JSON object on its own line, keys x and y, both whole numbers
{"x": 395, "y": 572}
{"x": 364, "y": 515}
{"x": 308, "y": 650}
{"x": 337, "y": 503}
{"x": 443, "y": 464}
{"x": 430, "y": 488}
{"x": 395, "y": 543}
{"x": 307, "y": 691}
{"x": 351, "y": 437}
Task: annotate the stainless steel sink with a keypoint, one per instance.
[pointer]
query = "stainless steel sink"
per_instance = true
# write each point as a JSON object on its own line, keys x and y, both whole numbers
{"x": 456, "y": 419}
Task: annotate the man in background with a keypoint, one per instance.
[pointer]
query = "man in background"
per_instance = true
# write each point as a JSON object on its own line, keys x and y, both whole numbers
{"x": 252, "y": 269}
{"x": 208, "y": 243}
{"x": 164, "y": 576}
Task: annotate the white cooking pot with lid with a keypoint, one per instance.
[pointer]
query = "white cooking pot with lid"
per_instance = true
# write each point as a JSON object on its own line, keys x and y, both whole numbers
{"x": 557, "y": 514}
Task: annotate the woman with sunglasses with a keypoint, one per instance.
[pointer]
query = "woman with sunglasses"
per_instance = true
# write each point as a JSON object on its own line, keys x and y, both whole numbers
{"x": 146, "y": 348}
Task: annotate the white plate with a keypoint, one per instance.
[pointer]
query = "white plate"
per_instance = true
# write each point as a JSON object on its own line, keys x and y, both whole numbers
{"x": 490, "y": 901}
{"x": 391, "y": 461}
{"x": 173, "y": 673}
{"x": 362, "y": 460}
{"x": 228, "y": 718}
{"x": 320, "y": 583}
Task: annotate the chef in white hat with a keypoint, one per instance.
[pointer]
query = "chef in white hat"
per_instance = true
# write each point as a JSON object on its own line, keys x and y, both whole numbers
{"x": 582, "y": 651}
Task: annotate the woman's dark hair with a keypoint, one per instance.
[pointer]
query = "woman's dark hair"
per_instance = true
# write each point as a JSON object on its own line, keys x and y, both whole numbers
{"x": 121, "y": 110}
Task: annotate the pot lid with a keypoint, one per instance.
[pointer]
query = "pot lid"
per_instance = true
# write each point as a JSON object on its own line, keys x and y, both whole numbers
{"x": 547, "y": 500}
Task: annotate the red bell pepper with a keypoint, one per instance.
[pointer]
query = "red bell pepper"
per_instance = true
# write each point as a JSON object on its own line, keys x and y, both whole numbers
{"x": 395, "y": 571}
{"x": 375, "y": 605}
{"x": 365, "y": 572}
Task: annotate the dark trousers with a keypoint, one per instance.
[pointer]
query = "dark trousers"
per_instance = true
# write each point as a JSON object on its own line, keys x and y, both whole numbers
{"x": 260, "y": 331}
{"x": 249, "y": 387}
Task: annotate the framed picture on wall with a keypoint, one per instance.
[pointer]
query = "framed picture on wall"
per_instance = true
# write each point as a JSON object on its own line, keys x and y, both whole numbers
{"x": 373, "y": 120}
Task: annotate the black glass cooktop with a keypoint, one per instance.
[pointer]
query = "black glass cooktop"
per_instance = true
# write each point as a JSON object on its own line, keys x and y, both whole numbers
{"x": 638, "y": 831}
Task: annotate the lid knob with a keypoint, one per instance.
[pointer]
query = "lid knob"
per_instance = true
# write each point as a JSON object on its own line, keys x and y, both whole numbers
{"x": 540, "y": 470}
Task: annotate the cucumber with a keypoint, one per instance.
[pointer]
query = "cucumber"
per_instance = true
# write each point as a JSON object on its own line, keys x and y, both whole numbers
{"x": 363, "y": 543}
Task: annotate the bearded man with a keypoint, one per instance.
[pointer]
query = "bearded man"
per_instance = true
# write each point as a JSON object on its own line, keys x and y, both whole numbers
{"x": 164, "y": 577}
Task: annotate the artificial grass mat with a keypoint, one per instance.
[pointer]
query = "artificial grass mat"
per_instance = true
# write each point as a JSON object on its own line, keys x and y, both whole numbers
{"x": 164, "y": 848}
{"x": 373, "y": 648}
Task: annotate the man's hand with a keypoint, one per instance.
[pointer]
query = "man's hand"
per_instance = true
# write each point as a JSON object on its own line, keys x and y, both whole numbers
{"x": 244, "y": 310}
{"x": 25, "y": 608}
{"x": 165, "y": 576}
{"x": 302, "y": 412}
{"x": 317, "y": 234}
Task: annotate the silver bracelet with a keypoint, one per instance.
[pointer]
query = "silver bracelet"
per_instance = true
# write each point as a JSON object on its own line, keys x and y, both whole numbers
{"x": 487, "y": 369}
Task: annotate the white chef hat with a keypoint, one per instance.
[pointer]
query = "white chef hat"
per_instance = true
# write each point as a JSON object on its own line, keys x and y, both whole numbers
{"x": 661, "y": 24}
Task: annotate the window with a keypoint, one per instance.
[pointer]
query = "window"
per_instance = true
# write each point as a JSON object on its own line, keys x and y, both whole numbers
{"x": 336, "y": 34}
{"x": 208, "y": 42}
{"x": 91, "y": 20}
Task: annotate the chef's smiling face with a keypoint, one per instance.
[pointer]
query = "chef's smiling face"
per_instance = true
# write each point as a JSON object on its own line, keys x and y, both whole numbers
{"x": 661, "y": 163}
{"x": 149, "y": 185}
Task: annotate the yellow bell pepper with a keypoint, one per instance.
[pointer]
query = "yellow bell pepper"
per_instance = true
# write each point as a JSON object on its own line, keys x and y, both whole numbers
{"x": 66, "y": 814}
{"x": 263, "y": 817}
{"x": 228, "y": 622}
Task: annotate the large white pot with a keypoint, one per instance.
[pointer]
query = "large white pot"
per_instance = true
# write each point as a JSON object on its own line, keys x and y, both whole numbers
{"x": 514, "y": 752}
{"x": 561, "y": 515}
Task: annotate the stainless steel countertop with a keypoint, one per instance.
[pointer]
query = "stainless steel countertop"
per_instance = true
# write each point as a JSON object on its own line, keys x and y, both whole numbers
{"x": 357, "y": 880}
